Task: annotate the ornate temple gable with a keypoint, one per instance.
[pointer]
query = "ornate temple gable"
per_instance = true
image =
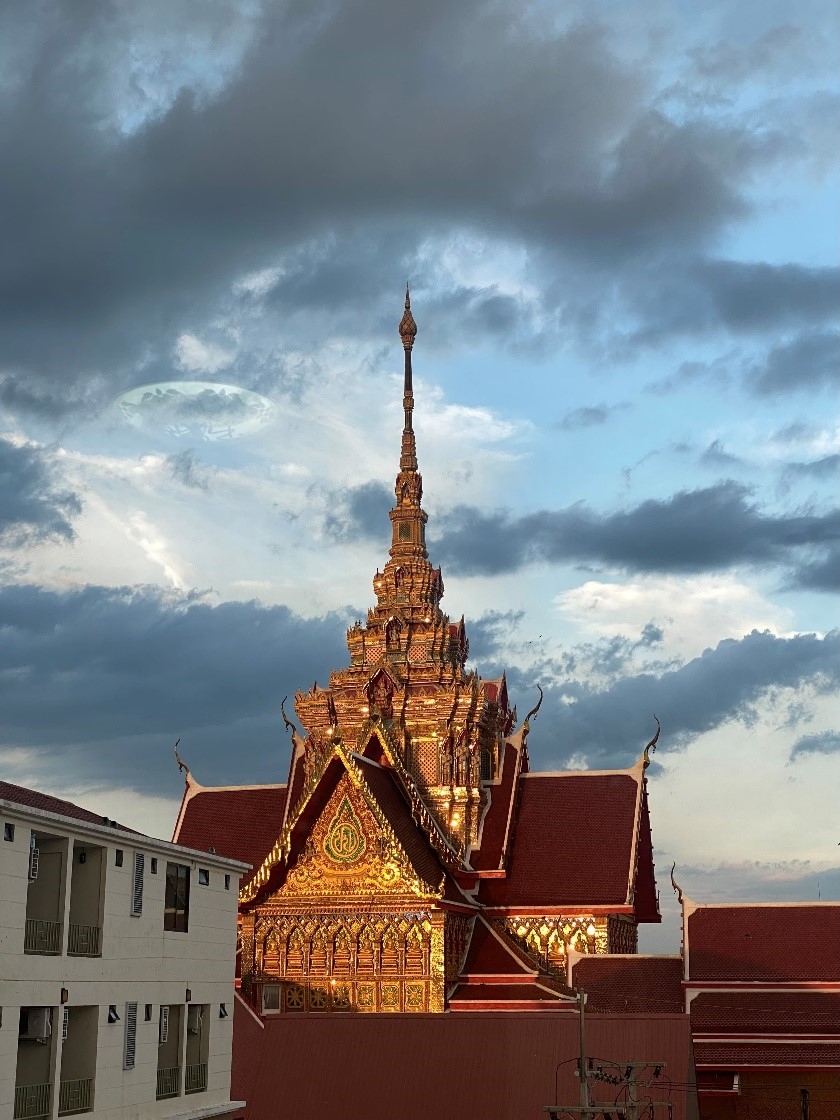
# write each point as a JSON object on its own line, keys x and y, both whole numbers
{"x": 349, "y": 855}
{"x": 300, "y": 820}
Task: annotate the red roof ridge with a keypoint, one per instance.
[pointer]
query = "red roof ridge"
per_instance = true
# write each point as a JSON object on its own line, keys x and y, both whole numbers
{"x": 632, "y": 771}
{"x": 519, "y": 748}
{"x": 639, "y": 771}
{"x": 757, "y": 905}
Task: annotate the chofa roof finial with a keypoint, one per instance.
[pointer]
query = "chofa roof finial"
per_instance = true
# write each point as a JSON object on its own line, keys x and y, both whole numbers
{"x": 675, "y": 885}
{"x": 651, "y": 747}
{"x": 526, "y": 726}
{"x": 182, "y": 766}
{"x": 289, "y": 725}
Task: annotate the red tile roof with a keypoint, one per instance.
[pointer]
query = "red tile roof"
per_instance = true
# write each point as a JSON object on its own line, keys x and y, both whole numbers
{"x": 33, "y": 799}
{"x": 573, "y": 843}
{"x": 630, "y": 983}
{"x": 491, "y": 954}
{"x": 787, "y": 1012}
{"x": 240, "y": 822}
{"x": 734, "y": 1055}
{"x": 470, "y": 1065}
{"x": 466, "y": 996}
{"x": 248, "y": 1034}
{"x": 771, "y": 943}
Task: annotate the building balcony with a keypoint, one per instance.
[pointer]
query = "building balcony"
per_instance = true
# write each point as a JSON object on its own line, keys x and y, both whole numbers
{"x": 42, "y": 937}
{"x": 168, "y": 1082}
{"x": 84, "y": 941}
{"x": 75, "y": 1096}
{"x": 195, "y": 1078}
{"x": 31, "y": 1101}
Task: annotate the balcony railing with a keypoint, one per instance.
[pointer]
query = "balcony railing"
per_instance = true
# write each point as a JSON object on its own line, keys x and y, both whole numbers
{"x": 75, "y": 1096}
{"x": 42, "y": 937}
{"x": 168, "y": 1082}
{"x": 84, "y": 941}
{"x": 31, "y": 1101}
{"x": 195, "y": 1078}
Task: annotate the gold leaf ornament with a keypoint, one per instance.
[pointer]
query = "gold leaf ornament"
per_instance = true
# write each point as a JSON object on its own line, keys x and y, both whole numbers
{"x": 345, "y": 841}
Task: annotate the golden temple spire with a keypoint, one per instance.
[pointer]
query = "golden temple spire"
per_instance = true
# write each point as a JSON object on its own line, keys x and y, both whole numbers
{"x": 407, "y": 517}
{"x": 408, "y": 333}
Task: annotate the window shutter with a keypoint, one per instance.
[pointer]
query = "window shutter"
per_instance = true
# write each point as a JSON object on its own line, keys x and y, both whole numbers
{"x": 164, "y": 1025}
{"x": 130, "y": 1035}
{"x": 137, "y": 890}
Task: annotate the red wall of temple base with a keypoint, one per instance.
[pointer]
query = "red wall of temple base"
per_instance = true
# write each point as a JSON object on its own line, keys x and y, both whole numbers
{"x": 777, "y": 1096}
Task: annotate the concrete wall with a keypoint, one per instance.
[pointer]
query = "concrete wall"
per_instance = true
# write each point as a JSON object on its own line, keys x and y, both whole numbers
{"x": 140, "y": 962}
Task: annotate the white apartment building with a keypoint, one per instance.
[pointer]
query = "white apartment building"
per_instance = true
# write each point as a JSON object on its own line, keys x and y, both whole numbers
{"x": 117, "y": 960}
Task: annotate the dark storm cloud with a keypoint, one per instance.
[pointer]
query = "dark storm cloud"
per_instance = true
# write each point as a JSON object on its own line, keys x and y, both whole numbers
{"x": 826, "y": 469}
{"x": 692, "y": 531}
{"x": 361, "y": 122}
{"x": 110, "y": 677}
{"x": 610, "y": 724}
{"x": 822, "y": 574}
{"x": 809, "y": 362}
{"x": 825, "y": 742}
{"x": 700, "y": 296}
{"x": 749, "y": 296}
{"x": 33, "y": 505}
{"x": 358, "y": 513}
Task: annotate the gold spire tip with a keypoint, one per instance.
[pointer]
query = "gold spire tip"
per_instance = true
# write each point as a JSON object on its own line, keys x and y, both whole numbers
{"x": 408, "y": 328}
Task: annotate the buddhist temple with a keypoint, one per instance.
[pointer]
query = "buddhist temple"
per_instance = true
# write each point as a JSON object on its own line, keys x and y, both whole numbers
{"x": 413, "y": 862}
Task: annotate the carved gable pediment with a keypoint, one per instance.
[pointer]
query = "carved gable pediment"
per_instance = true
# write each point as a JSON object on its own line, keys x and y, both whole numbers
{"x": 350, "y": 851}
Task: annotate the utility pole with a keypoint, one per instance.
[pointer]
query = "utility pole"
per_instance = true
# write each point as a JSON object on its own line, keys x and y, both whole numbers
{"x": 583, "y": 1067}
{"x": 625, "y": 1076}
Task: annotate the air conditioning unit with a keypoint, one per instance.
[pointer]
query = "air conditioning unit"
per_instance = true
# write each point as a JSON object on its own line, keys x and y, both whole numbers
{"x": 33, "y": 863}
{"x": 194, "y": 1018}
{"x": 37, "y": 1024}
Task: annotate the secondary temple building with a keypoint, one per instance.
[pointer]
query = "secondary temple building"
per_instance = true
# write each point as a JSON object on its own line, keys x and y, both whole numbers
{"x": 413, "y": 862}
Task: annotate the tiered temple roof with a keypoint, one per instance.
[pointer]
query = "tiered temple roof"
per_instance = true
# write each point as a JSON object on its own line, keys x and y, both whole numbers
{"x": 411, "y": 770}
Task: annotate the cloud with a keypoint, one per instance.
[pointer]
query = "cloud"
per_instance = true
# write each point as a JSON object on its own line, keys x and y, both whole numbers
{"x": 589, "y": 416}
{"x": 102, "y": 681}
{"x": 358, "y": 513}
{"x": 164, "y": 169}
{"x": 825, "y": 742}
{"x": 189, "y": 470}
{"x": 806, "y": 363}
{"x": 196, "y": 356}
{"x": 716, "y": 455}
{"x": 692, "y": 612}
{"x": 33, "y": 506}
{"x": 608, "y": 724}
{"x": 692, "y": 531}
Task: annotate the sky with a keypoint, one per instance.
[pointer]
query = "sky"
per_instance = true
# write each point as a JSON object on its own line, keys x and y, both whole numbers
{"x": 620, "y": 224}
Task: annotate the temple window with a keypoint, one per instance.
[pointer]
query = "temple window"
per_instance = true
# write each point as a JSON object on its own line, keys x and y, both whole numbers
{"x": 404, "y": 531}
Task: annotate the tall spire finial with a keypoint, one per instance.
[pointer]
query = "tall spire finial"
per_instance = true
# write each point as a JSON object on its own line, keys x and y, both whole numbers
{"x": 408, "y": 332}
{"x": 408, "y": 328}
